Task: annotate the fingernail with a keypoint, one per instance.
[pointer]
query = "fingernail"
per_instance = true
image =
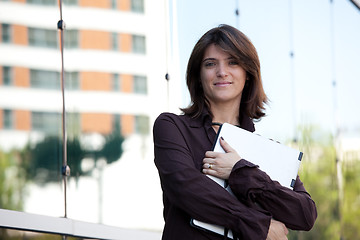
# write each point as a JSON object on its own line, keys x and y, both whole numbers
{"x": 222, "y": 138}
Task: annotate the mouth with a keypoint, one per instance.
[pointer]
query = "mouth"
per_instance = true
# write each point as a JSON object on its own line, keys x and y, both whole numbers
{"x": 223, "y": 83}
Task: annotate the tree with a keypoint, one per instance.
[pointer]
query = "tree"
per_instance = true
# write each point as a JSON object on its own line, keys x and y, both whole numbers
{"x": 43, "y": 160}
{"x": 12, "y": 182}
{"x": 351, "y": 202}
{"x": 336, "y": 219}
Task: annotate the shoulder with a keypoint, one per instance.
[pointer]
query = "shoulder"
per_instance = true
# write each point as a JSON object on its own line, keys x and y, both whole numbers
{"x": 171, "y": 117}
{"x": 171, "y": 122}
{"x": 169, "y": 127}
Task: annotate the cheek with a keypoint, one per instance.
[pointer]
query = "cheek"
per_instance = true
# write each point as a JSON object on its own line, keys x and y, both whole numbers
{"x": 205, "y": 77}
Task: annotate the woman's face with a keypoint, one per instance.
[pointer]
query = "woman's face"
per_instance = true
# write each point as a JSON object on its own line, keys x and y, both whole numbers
{"x": 222, "y": 77}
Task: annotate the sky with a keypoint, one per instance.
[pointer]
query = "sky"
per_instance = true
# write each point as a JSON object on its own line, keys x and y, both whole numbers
{"x": 325, "y": 40}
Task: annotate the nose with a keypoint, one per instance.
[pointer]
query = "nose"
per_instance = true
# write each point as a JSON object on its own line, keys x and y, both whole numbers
{"x": 221, "y": 70}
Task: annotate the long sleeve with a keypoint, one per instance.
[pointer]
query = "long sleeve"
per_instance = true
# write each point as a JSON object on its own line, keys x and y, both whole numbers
{"x": 294, "y": 208}
{"x": 178, "y": 157}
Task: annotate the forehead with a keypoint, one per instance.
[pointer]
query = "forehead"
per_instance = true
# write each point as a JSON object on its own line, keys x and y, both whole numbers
{"x": 215, "y": 51}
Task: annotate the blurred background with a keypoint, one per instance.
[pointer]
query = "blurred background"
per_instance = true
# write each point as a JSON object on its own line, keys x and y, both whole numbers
{"x": 125, "y": 63}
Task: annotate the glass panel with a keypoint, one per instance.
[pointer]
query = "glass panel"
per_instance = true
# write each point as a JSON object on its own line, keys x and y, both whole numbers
{"x": 138, "y": 44}
{"x": 71, "y": 37}
{"x": 42, "y": 38}
{"x": 114, "y": 4}
{"x": 116, "y": 82}
{"x": 42, "y": 2}
{"x": 44, "y": 79}
{"x": 46, "y": 122}
{"x": 107, "y": 145}
{"x": 5, "y": 33}
{"x": 8, "y": 119}
{"x": 140, "y": 84}
{"x": 72, "y": 81}
{"x": 142, "y": 125}
{"x": 7, "y": 76}
{"x": 115, "y": 41}
{"x": 70, "y": 2}
{"x": 137, "y": 6}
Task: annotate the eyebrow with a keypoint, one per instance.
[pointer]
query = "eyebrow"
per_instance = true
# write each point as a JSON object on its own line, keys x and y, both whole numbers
{"x": 207, "y": 59}
{"x": 212, "y": 59}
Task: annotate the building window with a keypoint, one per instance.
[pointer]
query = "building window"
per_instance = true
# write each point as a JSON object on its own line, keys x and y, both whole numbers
{"x": 42, "y": 38}
{"x": 114, "y": 4}
{"x": 73, "y": 124}
{"x": 71, "y": 38}
{"x": 46, "y": 122}
{"x": 70, "y": 2}
{"x": 140, "y": 84}
{"x": 142, "y": 124}
{"x": 72, "y": 81}
{"x": 52, "y": 80}
{"x": 138, "y": 44}
{"x": 43, "y": 2}
{"x": 7, "y": 76}
{"x": 137, "y": 6}
{"x": 8, "y": 119}
{"x": 5, "y": 33}
{"x": 116, "y": 82}
{"x": 115, "y": 41}
{"x": 116, "y": 124}
{"x": 44, "y": 79}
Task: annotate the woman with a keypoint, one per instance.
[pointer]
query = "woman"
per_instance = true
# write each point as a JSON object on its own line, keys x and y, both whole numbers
{"x": 223, "y": 77}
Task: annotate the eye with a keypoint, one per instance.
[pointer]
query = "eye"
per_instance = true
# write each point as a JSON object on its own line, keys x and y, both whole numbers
{"x": 233, "y": 62}
{"x": 209, "y": 64}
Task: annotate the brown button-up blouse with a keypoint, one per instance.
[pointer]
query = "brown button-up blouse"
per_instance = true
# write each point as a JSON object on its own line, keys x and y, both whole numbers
{"x": 180, "y": 143}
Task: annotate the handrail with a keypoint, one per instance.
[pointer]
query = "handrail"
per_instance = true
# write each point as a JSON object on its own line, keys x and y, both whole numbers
{"x": 69, "y": 227}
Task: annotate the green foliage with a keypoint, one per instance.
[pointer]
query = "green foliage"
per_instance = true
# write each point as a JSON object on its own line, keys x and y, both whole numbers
{"x": 12, "y": 182}
{"x": 44, "y": 160}
{"x": 112, "y": 149}
{"x": 351, "y": 201}
{"x": 337, "y": 219}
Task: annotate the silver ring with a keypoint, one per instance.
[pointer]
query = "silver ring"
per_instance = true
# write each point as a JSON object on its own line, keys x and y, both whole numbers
{"x": 210, "y": 165}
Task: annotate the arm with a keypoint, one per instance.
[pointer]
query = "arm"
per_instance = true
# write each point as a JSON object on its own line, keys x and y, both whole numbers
{"x": 190, "y": 190}
{"x": 294, "y": 208}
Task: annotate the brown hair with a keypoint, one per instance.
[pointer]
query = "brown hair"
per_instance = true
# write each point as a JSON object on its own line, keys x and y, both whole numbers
{"x": 240, "y": 47}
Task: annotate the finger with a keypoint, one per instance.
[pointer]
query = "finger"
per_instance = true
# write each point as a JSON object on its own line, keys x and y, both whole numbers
{"x": 211, "y": 154}
{"x": 209, "y": 171}
{"x": 208, "y": 160}
{"x": 208, "y": 165}
{"x": 227, "y": 148}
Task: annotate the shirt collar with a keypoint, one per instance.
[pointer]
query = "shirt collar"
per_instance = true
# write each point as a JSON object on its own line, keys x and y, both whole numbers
{"x": 205, "y": 119}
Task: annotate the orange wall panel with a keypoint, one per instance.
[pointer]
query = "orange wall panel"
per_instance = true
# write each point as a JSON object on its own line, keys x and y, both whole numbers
{"x": 127, "y": 83}
{"x": 124, "y": 5}
{"x": 99, "y": 81}
{"x": 21, "y": 77}
{"x": 20, "y": 1}
{"x": 20, "y": 35}
{"x": 90, "y": 39}
{"x": 125, "y": 42}
{"x": 96, "y": 122}
{"x": 95, "y": 3}
{"x": 22, "y": 120}
{"x": 127, "y": 124}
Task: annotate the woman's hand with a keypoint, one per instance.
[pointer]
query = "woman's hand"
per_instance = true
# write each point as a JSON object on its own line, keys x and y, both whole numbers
{"x": 277, "y": 231}
{"x": 220, "y": 164}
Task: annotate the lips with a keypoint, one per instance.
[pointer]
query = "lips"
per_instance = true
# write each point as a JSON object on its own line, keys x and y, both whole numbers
{"x": 222, "y": 83}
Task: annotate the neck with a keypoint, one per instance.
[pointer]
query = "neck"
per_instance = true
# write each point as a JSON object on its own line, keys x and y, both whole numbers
{"x": 225, "y": 113}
